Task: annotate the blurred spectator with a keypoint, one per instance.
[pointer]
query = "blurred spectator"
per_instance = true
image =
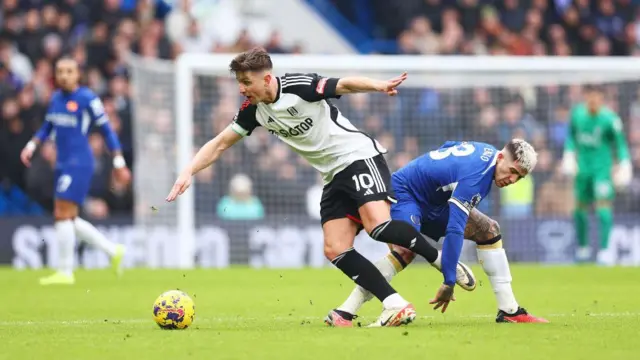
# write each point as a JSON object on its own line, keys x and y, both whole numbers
{"x": 517, "y": 27}
{"x": 555, "y": 197}
{"x": 102, "y": 35}
{"x": 240, "y": 204}
{"x": 559, "y": 127}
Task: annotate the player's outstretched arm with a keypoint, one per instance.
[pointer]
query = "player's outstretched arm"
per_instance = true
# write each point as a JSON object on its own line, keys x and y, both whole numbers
{"x": 451, "y": 249}
{"x": 42, "y": 134}
{"x": 205, "y": 157}
{"x": 358, "y": 84}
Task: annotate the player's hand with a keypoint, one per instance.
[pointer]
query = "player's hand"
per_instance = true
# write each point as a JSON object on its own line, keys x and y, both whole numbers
{"x": 569, "y": 164}
{"x": 443, "y": 297}
{"x": 123, "y": 175}
{"x": 390, "y": 86}
{"x": 181, "y": 185}
{"x": 623, "y": 175}
{"x": 26, "y": 155}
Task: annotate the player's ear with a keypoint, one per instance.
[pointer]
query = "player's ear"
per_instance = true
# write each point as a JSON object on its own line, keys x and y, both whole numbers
{"x": 267, "y": 79}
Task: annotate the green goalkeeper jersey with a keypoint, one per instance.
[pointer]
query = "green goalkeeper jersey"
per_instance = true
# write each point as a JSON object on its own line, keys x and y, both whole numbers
{"x": 593, "y": 137}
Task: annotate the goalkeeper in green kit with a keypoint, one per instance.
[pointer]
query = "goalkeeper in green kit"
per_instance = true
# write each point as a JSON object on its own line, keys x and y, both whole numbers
{"x": 594, "y": 131}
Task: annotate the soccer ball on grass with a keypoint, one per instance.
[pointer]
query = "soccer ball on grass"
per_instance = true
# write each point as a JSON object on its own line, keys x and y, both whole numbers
{"x": 174, "y": 309}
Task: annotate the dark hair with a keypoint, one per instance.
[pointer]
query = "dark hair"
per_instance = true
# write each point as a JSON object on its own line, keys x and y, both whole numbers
{"x": 593, "y": 88}
{"x": 67, "y": 57}
{"x": 256, "y": 59}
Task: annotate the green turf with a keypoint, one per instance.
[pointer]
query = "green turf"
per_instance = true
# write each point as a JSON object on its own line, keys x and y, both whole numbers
{"x": 277, "y": 314}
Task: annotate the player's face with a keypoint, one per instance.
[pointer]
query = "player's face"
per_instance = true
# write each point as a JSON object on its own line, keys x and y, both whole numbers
{"x": 594, "y": 101}
{"x": 507, "y": 171}
{"x": 67, "y": 74}
{"x": 254, "y": 85}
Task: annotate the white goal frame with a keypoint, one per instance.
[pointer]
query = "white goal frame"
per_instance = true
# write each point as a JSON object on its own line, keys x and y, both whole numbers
{"x": 435, "y": 71}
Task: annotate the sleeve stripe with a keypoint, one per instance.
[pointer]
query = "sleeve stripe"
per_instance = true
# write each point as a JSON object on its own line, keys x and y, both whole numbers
{"x": 457, "y": 203}
{"x": 287, "y": 84}
{"x": 284, "y": 81}
{"x": 297, "y": 77}
{"x": 239, "y": 129}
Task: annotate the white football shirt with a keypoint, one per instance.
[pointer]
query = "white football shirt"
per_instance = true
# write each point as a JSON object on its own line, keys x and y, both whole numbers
{"x": 304, "y": 119}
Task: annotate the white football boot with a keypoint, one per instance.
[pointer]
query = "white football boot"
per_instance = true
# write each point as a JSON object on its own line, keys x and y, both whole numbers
{"x": 395, "y": 317}
{"x": 464, "y": 276}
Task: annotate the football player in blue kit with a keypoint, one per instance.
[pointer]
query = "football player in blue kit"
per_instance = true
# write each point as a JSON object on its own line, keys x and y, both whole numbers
{"x": 73, "y": 111}
{"x": 437, "y": 193}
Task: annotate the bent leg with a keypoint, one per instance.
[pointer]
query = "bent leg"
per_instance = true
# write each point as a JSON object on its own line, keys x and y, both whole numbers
{"x": 339, "y": 235}
{"x": 486, "y": 233}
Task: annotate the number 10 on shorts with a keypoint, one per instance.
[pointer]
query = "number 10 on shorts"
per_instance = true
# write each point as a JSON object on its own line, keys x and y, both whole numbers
{"x": 363, "y": 181}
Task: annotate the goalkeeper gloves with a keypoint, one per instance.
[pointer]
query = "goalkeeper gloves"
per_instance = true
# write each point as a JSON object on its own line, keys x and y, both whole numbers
{"x": 623, "y": 175}
{"x": 569, "y": 163}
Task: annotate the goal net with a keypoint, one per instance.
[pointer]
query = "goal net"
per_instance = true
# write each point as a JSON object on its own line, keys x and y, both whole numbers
{"x": 259, "y": 204}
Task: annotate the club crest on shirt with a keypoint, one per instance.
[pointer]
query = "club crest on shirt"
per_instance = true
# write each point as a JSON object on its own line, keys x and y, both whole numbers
{"x": 292, "y": 111}
{"x": 469, "y": 205}
{"x": 72, "y": 106}
{"x": 321, "y": 85}
{"x": 475, "y": 200}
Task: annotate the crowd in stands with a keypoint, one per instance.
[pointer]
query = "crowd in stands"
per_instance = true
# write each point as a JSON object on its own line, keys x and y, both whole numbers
{"x": 101, "y": 34}
{"x": 505, "y": 27}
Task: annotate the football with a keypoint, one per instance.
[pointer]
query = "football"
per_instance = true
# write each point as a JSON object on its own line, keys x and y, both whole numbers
{"x": 174, "y": 309}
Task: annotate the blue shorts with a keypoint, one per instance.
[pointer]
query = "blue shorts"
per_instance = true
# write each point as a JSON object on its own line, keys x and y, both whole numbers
{"x": 431, "y": 221}
{"x": 73, "y": 184}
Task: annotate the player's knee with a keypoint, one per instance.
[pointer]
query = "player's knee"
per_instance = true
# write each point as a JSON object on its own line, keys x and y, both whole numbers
{"x": 333, "y": 247}
{"x": 339, "y": 235}
{"x": 65, "y": 211}
{"x": 373, "y": 214}
{"x": 494, "y": 229}
{"x": 491, "y": 238}
{"x": 603, "y": 204}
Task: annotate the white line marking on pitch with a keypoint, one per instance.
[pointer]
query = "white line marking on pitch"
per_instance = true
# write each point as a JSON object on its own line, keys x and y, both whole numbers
{"x": 277, "y": 318}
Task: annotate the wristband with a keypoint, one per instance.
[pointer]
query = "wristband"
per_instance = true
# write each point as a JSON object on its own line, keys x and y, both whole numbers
{"x": 118, "y": 162}
{"x": 31, "y": 146}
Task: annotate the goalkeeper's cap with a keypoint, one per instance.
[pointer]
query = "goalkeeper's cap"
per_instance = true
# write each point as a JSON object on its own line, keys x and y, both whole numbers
{"x": 523, "y": 154}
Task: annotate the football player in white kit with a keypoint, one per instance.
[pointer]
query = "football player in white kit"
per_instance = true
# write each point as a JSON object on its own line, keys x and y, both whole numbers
{"x": 357, "y": 191}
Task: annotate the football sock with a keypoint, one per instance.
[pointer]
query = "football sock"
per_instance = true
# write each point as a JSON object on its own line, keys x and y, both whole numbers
{"x": 389, "y": 266}
{"x": 364, "y": 273}
{"x": 88, "y": 233}
{"x": 580, "y": 218}
{"x": 495, "y": 264}
{"x": 605, "y": 222}
{"x": 66, "y": 245}
{"x": 401, "y": 233}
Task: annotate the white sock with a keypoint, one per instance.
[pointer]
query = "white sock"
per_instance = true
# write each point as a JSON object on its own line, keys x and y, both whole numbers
{"x": 496, "y": 266}
{"x": 93, "y": 236}
{"x": 394, "y": 301}
{"x": 359, "y": 295}
{"x": 66, "y": 244}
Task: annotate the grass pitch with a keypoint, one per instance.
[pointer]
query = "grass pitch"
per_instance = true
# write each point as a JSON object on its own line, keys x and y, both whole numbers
{"x": 277, "y": 314}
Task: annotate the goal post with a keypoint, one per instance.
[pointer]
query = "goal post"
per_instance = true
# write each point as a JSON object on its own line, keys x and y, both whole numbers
{"x": 444, "y": 97}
